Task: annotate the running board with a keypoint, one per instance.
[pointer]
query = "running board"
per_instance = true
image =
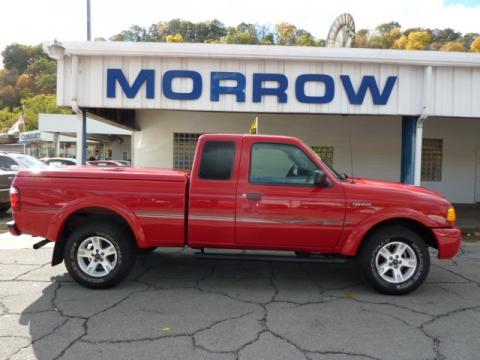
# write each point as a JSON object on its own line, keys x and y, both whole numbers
{"x": 282, "y": 258}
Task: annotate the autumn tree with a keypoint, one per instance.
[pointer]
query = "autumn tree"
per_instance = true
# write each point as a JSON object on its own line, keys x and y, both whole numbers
{"x": 475, "y": 47}
{"x": 453, "y": 46}
{"x": 177, "y": 38}
{"x": 418, "y": 40}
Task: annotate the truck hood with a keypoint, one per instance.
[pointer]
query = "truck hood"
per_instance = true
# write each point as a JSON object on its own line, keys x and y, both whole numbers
{"x": 120, "y": 173}
{"x": 394, "y": 186}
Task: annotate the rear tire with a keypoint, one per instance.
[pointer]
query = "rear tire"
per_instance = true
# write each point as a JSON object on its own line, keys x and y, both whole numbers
{"x": 394, "y": 260}
{"x": 99, "y": 256}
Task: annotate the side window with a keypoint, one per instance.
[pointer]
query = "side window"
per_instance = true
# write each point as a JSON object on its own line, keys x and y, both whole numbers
{"x": 280, "y": 164}
{"x": 6, "y": 162}
{"x": 217, "y": 160}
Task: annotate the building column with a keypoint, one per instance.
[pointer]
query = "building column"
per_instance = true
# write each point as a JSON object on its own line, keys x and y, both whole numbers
{"x": 409, "y": 143}
{"x": 81, "y": 153}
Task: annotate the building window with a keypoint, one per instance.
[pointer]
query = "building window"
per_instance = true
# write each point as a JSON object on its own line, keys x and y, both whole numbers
{"x": 432, "y": 153}
{"x": 184, "y": 145}
{"x": 325, "y": 153}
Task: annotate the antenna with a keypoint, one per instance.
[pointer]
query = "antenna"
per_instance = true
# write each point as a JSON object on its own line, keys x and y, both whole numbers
{"x": 342, "y": 32}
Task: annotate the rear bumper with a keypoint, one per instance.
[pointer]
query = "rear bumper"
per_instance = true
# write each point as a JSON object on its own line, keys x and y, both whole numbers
{"x": 12, "y": 228}
{"x": 449, "y": 241}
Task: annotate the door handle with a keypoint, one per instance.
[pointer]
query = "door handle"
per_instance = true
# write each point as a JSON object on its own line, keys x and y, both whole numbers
{"x": 253, "y": 196}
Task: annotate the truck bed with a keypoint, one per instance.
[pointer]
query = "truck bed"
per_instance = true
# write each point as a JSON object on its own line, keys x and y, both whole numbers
{"x": 146, "y": 197}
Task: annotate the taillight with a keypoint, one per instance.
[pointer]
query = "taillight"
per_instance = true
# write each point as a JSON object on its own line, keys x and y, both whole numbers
{"x": 14, "y": 198}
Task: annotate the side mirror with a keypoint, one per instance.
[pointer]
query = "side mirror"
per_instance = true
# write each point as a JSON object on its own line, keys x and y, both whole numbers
{"x": 14, "y": 168}
{"x": 320, "y": 178}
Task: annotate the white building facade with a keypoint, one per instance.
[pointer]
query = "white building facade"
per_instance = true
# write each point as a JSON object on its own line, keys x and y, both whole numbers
{"x": 397, "y": 115}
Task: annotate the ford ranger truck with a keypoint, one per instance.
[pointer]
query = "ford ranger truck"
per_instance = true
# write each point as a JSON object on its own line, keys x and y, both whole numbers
{"x": 252, "y": 192}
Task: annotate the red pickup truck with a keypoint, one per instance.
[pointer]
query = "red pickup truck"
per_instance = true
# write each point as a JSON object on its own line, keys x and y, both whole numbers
{"x": 244, "y": 192}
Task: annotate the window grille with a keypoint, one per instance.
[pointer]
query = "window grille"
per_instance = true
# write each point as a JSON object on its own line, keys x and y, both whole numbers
{"x": 184, "y": 145}
{"x": 432, "y": 154}
{"x": 325, "y": 153}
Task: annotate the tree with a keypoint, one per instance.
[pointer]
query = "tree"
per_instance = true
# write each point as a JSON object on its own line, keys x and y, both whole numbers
{"x": 469, "y": 38}
{"x": 18, "y": 57}
{"x": 361, "y": 39}
{"x": 401, "y": 42}
{"x": 385, "y": 28}
{"x": 445, "y": 35}
{"x": 475, "y": 47}
{"x": 40, "y": 104}
{"x": 453, "y": 46}
{"x": 286, "y": 33}
{"x": 177, "y": 38}
{"x": 8, "y": 97}
{"x": 418, "y": 40}
{"x": 306, "y": 39}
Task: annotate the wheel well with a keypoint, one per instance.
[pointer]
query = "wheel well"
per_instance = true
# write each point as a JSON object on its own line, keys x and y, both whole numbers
{"x": 424, "y": 232}
{"x": 84, "y": 216}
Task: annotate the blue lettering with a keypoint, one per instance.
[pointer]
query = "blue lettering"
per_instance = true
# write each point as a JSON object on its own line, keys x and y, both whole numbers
{"x": 329, "y": 89}
{"x": 279, "y": 92}
{"x": 368, "y": 82}
{"x": 144, "y": 76}
{"x": 172, "y": 74}
{"x": 216, "y": 89}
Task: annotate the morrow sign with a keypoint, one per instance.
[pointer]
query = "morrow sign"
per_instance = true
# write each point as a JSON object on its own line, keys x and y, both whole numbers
{"x": 263, "y": 84}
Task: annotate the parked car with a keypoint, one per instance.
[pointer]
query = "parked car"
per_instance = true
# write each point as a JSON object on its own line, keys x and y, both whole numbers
{"x": 6, "y": 178}
{"x": 106, "y": 163}
{"x": 253, "y": 192}
{"x": 59, "y": 161}
{"x": 15, "y": 162}
{"x": 10, "y": 163}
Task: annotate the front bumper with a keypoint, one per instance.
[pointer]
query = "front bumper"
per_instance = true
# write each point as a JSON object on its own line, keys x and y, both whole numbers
{"x": 12, "y": 228}
{"x": 449, "y": 241}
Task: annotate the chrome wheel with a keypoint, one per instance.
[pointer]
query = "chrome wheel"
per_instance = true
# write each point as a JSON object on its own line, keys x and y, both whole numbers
{"x": 396, "y": 262}
{"x": 97, "y": 256}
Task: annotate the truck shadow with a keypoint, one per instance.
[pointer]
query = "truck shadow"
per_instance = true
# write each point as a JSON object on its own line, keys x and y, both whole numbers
{"x": 166, "y": 290}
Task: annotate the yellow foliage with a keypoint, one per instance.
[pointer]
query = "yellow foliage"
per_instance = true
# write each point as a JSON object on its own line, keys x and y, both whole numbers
{"x": 394, "y": 34}
{"x": 400, "y": 43}
{"x": 174, "y": 38}
{"x": 286, "y": 32}
{"x": 475, "y": 47}
{"x": 418, "y": 40}
{"x": 452, "y": 46}
{"x": 24, "y": 81}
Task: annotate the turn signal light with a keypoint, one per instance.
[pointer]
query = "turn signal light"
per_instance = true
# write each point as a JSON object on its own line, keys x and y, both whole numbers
{"x": 451, "y": 216}
{"x": 14, "y": 198}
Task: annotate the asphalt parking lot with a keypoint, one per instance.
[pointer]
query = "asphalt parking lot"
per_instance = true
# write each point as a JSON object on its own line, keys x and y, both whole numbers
{"x": 175, "y": 306}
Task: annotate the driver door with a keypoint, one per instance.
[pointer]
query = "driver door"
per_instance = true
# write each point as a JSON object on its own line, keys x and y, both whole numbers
{"x": 278, "y": 206}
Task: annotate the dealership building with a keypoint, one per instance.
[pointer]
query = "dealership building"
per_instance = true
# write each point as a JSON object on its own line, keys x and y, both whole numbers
{"x": 410, "y": 116}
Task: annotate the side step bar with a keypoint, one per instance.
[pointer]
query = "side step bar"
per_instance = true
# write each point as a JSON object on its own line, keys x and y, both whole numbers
{"x": 281, "y": 258}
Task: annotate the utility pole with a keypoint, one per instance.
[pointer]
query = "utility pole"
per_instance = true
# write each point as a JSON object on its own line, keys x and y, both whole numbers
{"x": 89, "y": 23}
{"x": 82, "y": 116}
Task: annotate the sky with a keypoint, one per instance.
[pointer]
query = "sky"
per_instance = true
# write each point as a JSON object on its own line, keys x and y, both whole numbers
{"x": 36, "y": 21}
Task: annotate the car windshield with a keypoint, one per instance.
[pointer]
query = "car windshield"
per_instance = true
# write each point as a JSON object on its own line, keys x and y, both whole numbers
{"x": 30, "y": 162}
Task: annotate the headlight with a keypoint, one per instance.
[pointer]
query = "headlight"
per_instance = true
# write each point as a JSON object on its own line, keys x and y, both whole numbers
{"x": 451, "y": 216}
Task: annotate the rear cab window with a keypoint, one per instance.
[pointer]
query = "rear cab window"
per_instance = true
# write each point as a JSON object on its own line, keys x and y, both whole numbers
{"x": 218, "y": 159}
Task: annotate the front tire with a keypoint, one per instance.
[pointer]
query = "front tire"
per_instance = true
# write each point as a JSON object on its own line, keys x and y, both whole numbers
{"x": 395, "y": 260}
{"x": 99, "y": 256}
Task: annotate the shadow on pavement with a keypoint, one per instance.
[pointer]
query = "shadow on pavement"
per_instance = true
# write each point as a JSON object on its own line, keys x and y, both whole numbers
{"x": 171, "y": 303}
